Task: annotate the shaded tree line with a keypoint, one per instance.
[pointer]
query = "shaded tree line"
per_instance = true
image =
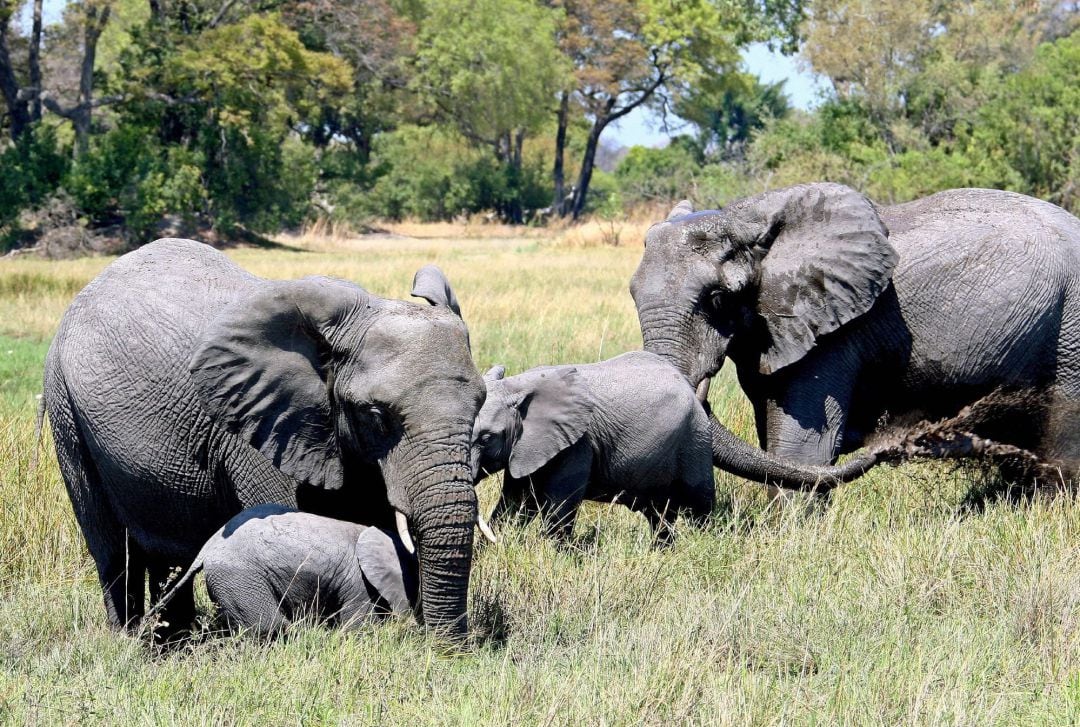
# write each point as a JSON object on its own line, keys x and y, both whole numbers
{"x": 228, "y": 116}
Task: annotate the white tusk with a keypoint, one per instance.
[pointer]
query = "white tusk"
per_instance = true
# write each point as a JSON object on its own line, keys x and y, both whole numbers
{"x": 703, "y": 389}
{"x": 403, "y": 531}
{"x": 485, "y": 528}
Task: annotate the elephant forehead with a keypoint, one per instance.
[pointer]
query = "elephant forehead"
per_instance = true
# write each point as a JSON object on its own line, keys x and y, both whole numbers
{"x": 671, "y": 268}
{"x": 413, "y": 333}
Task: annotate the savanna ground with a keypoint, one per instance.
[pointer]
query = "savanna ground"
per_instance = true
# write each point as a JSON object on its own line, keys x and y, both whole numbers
{"x": 895, "y": 605}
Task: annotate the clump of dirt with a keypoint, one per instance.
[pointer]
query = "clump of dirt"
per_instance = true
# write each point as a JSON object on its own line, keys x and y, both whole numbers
{"x": 957, "y": 438}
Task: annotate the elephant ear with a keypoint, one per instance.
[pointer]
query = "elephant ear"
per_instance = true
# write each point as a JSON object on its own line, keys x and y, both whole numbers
{"x": 682, "y": 209}
{"x": 827, "y": 258}
{"x": 430, "y": 284}
{"x": 261, "y": 370}
{"x": 388, "y": 568}
{"x": 554, "y": 415}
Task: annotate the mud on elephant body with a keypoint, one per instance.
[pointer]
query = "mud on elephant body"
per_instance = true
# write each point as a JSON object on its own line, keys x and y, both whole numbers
{"x": 839, "y": 314}
{"x": 625, "y": 430}
{"x": 182, "y": 390}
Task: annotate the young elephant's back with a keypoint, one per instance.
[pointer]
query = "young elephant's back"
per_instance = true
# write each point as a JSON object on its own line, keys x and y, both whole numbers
{"x": 649, "y": 413}
{"x": 272, "y": 538}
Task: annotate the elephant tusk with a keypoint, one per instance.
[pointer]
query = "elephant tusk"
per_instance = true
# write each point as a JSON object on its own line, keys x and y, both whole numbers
{"x": 485, "y": 528}
{"x": 403, "y": 531}
{"x": 703, "y": 389}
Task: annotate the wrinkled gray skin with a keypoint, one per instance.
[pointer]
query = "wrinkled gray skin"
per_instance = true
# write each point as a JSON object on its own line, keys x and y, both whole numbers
{"x": 625, "y": 430}
{"x": 837, "y": 313}
{"x": 271, "y": 565}
{"x": 182, "y": 390}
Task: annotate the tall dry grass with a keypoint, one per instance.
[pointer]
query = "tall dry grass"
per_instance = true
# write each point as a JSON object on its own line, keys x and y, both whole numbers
{"x": 896, "y": 605}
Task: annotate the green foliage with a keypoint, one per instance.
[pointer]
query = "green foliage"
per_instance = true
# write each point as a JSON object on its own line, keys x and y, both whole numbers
{"x": 1032, "y": 126}
{"x": 30, "y": 170}
{"x": 647, "y": 174}
{"x": 491, "y": 66}
{"x": 428, "y": 173}
{"x": 730, "y": 109}
{"x": 208, "y": 132}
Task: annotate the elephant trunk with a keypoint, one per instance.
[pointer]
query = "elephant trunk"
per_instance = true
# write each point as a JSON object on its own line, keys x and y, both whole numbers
{"x": 445, "y": 540}
{"x": 442, "y": 515}
{"x": 732, "y": 454}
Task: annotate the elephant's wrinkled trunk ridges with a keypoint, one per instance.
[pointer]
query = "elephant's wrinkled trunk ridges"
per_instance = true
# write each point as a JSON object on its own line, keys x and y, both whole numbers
{"x": 732, "y": 454}
{"x": 441, "y": 503}
{"x": 444, "y": 530}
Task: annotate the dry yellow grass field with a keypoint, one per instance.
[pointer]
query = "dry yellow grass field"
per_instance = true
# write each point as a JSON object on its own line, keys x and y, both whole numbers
{"x": 896, "y": 605}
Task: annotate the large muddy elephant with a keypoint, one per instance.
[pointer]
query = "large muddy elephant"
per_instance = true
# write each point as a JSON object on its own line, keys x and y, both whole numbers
{"x": 182, "y": 390}
{"x": 839, "y": 314}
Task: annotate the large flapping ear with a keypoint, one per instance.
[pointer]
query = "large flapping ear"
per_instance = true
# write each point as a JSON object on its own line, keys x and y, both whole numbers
{"x": 681, "y": 209}
{"x": 825, "y": 258}
{"x": 389, "y": 568}
{"x": 261, "y": 371}
{"x": 555, "y": 412}
{"x": 430, "y": 284}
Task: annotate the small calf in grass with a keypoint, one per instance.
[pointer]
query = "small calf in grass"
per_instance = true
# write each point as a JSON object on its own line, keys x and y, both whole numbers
{"x": 271, "y": 565}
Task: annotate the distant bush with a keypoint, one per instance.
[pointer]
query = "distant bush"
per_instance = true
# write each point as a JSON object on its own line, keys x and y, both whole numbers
{"x": 30, "y": 170}
{"x": 429, "y": 174}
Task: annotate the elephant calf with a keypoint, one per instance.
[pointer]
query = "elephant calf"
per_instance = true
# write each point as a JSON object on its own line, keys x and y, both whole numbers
{"x": 628, "y": 430}
{"x": 271, "y": 565}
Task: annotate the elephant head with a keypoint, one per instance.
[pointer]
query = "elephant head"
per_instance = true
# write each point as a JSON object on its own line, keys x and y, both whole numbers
{"x": 763, "y": 279}
{"x": 527, "y": 420}
{"x": 331, "y": 383}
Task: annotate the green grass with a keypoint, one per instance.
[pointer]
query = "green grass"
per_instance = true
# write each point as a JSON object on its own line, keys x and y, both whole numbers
{"x": 894, "y": 605}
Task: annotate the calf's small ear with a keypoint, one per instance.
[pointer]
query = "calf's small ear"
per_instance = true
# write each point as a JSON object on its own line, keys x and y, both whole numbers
{"x": 555, "y": 413}
{"x": 682, "y": 208}
{"x": 430, "y": 284}
{"x": 388, "y": 568}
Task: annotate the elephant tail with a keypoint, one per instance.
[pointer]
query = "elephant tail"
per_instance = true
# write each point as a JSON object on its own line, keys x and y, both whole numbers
{"x": 39, "y": 427}
{"x": 191, "y": 572}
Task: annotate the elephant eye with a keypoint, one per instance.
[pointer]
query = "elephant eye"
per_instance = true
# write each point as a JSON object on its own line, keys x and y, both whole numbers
{"x": 379, "y": 417}
{"x": 485, "y": 437}
{"x": 714, "y": 300}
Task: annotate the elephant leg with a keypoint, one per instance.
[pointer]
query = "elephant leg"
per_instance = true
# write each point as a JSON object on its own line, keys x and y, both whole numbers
{"x": 661, "y": 516}
{"x": 120, "y": 562}
{"x": 518, "y": 501}
{"x": 562, "y": 485}
{"x": 695, "y": 488}
{"x": 804, "y": 421}
{"x": 246, "y": 602}
{"x": 122, "y": 571}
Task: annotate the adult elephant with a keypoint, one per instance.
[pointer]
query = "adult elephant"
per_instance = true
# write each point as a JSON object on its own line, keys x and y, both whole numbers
{"x": 182, "y": 389}
{"x": 838, "y": 313}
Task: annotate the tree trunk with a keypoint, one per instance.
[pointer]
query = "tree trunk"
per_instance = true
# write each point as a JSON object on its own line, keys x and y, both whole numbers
{"x": 558, "y": 201}
{"x": 35, "y": 62}
{"x": 9, "y": 87}
{"x": 82, "y": 113}
{"x": 515, "y": 212}
{"x": 587, "y": 163}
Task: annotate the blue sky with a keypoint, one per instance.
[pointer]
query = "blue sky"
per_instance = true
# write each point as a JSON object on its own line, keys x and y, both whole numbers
{"x": 642, "y": 126}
